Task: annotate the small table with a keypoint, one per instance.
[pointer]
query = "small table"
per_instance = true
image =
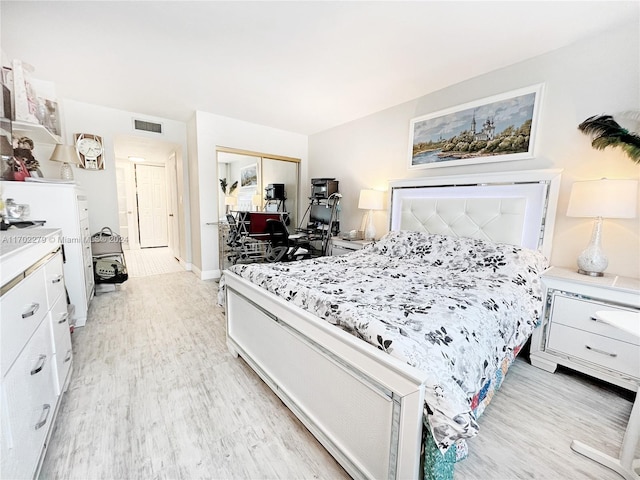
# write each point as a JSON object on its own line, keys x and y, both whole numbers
{"x": 625, "y": 464}
{"x": 340, "y": 246}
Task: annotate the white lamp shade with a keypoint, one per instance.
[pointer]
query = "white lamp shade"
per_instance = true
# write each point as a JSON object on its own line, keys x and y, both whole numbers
{"x": 371, "y": 200}
{"x": 228, "y": 200}
{"x": 65, "y": 154}
{"x": 604, "y": 198}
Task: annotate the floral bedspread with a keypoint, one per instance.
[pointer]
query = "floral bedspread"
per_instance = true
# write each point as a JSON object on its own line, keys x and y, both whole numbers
{"x": 452, "y": 307}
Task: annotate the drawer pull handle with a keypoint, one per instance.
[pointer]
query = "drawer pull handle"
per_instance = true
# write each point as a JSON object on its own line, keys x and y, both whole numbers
{"x": 597, "y": 350}
{"x": 46, "y": 408}
{"x": 32, "y": 310}
{"x": 63, "y": 317}
{"x": 38, "y": 368}
{"x": 58, "y": 279}
{"x": 68, "y": 357}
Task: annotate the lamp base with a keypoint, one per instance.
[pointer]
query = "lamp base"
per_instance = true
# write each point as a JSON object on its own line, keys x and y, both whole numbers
{"x": 370, "y": 230}
{"x": 591, "y": 274}
{"x": 66, "y": 173}
{"x": 593, "y": 261}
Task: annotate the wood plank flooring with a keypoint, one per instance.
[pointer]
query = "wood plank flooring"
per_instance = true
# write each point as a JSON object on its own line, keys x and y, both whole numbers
{"x": 156, "y": 395}
{"x": 151, "y": 261}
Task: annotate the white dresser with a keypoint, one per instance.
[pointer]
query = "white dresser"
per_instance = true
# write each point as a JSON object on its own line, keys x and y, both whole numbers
{"x": 36, "y": 353}
{"x": 63, "y": 206}
{"x": 572, "y": 336}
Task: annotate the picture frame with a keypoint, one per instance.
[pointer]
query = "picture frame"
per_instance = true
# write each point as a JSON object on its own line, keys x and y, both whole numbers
{"x": 494, "y": 129}
{"x": 249, "y": 176}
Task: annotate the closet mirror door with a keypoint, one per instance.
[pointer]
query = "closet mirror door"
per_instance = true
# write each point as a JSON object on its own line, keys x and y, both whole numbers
{"x": 241, "y": 188}
{"x": 247, "y": 177}
{"x": 277, "y": 172}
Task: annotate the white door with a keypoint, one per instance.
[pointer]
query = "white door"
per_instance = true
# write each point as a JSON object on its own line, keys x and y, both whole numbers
{"x": 172, "y": 188}
{"x": 127, "y": 209}
{"x": 152, "y": 206}
{"x": 123, "y": 217}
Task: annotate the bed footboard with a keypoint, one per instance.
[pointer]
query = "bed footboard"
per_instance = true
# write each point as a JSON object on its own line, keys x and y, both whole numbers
{"x": 364, "y": 406}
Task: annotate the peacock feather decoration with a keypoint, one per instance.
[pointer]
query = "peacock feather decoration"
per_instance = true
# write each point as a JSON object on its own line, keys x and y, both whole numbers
{"x": 606, "y": 132}
{"x": 223, "y": 186}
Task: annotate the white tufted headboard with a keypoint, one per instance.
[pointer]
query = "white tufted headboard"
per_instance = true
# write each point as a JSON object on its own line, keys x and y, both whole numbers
{"x": 508, "y": 207}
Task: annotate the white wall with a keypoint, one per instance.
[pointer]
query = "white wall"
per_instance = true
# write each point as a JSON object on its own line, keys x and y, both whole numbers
{"x": 596, "y": 76}
{"x": 206, "y": 132}
{"x": 100, "y": 185}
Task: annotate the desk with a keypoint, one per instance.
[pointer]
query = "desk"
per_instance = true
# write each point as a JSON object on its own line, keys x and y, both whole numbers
{"x": 246, "y": 238}
{"x": 625, "y": 464}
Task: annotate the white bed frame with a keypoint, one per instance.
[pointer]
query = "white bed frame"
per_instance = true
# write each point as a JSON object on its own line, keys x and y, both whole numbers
{"x": 363, "y": 405}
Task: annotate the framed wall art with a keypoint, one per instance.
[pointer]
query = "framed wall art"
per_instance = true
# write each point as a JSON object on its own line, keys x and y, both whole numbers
{"x": 249, "y": 176}
{"x": 494, "y": 129}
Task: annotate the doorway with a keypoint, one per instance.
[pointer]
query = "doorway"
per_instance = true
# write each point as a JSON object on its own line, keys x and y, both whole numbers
{"x": 148, "y": 193}
{"x": 151, "y": 195}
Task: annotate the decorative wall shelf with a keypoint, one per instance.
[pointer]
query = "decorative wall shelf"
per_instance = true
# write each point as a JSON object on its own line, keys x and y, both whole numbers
{"x": 36, "y": 132}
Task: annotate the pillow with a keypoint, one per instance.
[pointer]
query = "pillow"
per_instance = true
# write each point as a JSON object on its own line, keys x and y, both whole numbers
{"x": 460, "y": 253}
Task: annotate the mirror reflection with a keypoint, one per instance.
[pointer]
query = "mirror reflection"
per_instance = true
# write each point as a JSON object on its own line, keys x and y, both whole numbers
{"x": 259, "y": 187}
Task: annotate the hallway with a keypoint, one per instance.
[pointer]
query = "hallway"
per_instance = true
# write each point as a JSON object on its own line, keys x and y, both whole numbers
{"x": 151, "y": 261}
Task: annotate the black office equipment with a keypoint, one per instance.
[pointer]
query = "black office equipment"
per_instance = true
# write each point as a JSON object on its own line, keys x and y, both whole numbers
{"x": 275, "y": 191}
{"x": 323, "y": 213}
{"x": 323, "y": 188}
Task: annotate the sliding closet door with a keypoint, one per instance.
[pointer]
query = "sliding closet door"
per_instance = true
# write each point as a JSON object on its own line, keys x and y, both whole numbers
{"x": 285, "y": 172}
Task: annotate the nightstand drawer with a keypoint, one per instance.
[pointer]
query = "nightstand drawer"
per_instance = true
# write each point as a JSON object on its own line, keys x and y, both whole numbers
{"x": 580, "y": 313}
{"x": 612, "y": 354}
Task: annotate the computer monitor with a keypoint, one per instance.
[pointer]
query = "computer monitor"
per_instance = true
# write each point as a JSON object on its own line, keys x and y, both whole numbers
{"x": 320, "y": 215}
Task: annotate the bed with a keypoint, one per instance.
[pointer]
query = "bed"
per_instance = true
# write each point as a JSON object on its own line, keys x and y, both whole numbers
{"x": 389, "y": 354}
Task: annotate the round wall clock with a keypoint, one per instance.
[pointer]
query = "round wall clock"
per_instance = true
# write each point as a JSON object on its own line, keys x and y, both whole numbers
{"x": 90, "y": 150}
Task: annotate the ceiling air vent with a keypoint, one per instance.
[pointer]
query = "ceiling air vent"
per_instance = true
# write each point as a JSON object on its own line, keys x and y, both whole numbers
{"x": 147, "y": 126}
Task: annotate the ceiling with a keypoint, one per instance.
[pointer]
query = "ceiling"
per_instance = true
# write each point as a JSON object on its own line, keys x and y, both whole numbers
{"x": 302, "y": 66}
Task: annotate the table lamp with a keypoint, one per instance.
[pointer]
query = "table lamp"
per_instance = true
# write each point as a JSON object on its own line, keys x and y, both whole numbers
{"x": 256, "y": 201}
{"x": 67, "y": 155}
{"x": 600, "y": 199}
{"x": 229, "y": 202}
{"x": 370, "y": 200}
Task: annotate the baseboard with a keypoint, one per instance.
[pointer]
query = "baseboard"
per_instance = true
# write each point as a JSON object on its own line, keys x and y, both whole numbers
{"x": 210, "y": 275}
{"x": 207, "y": 274}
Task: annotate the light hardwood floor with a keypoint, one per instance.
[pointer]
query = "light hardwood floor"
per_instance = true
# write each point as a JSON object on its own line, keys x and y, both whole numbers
{"x": 156, "y": 395}
{"x": 151, "y": 261}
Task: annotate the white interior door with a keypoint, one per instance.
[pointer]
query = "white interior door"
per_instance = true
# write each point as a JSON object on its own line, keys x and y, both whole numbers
{"x": 123, "y": 217}
{"x": 152, "y": 205}
{"x": 127, "y": 208}
{"x": 172, "y": 188}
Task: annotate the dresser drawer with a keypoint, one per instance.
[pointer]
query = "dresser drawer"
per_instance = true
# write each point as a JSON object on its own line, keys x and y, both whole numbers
{"x": 580, "y": 313}
{"x": 55, "y": 279}
{"x": 23, "y": 309}
{"x": 31, "y": 404}
{"x": 59, "y": 321}
{"x": 597, "y": 349}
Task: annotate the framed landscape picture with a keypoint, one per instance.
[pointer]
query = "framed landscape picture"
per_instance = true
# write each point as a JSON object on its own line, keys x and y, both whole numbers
{"x": 494, "y": 129}
{"x": 249, "y": 176}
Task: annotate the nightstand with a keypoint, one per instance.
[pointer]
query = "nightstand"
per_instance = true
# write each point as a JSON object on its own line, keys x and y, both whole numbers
{"x": 341, "y": 246}
{"x": 572, "y": 336}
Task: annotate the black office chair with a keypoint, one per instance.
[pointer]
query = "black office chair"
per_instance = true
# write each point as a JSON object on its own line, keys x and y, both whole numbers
{"x": 233, "y": 240}
{"x": 283, "y": 247}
